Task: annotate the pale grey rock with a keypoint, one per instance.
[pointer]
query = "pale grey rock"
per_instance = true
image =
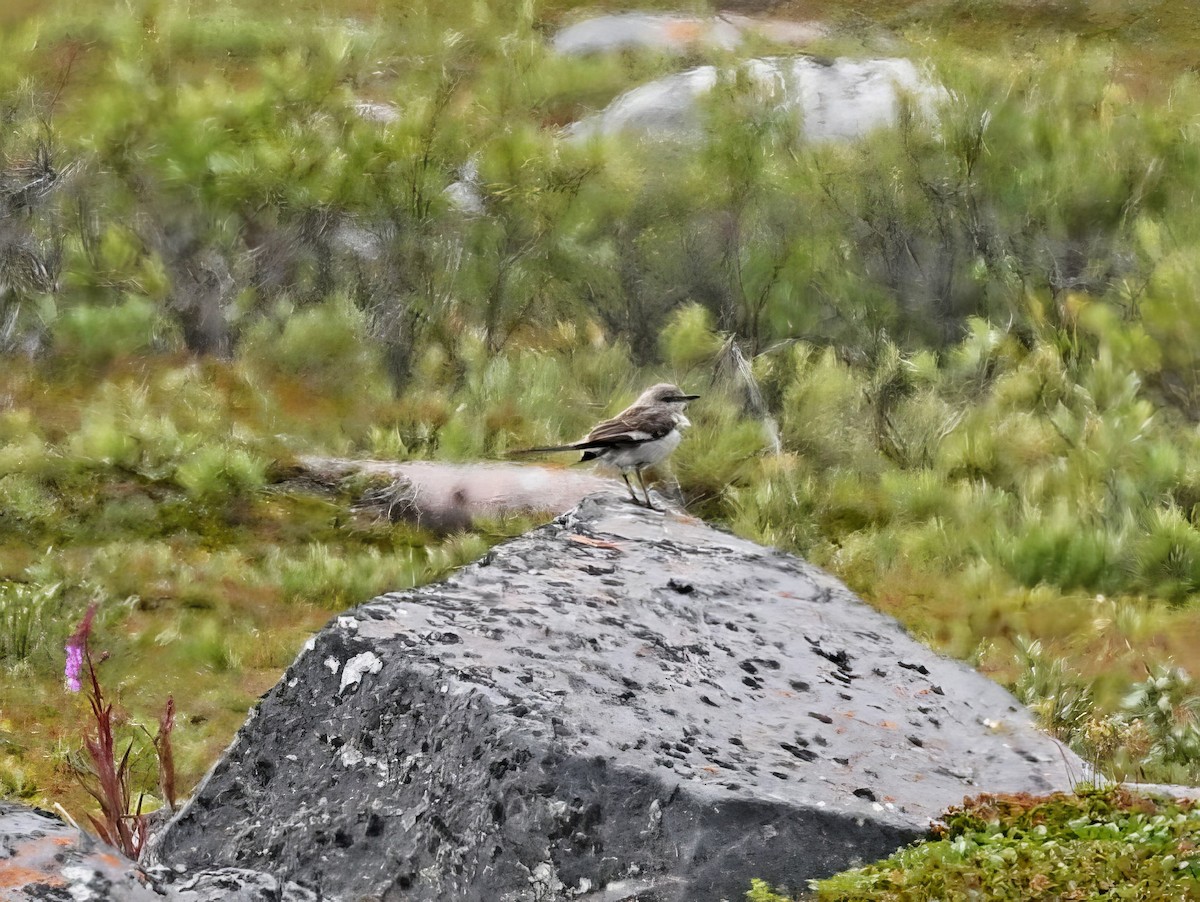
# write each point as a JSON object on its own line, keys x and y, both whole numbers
{"x": 42, "y": 859}
{"x": 352, "y": 239}
{"x": 228, "y": 885}
{"x": 779, "y": 31}
{"x": 466, "y": 193}
{"x": 677, "y": 34}
{"x": 383, "y": 113}
{"x": 832, "y": 100}
{"x": 645, "y": 31}
{"x": 624, "y": 704}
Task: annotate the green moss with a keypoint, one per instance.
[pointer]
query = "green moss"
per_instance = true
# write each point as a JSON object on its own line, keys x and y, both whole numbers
{"x": 1093, "y": 843}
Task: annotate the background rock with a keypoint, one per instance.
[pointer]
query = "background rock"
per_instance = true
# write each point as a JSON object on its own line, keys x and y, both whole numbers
{"x": 623, "y": 704}
{"x": 676, "y": 34}
{"x": 838, "y": 99}
{"x": 642, "y": 31}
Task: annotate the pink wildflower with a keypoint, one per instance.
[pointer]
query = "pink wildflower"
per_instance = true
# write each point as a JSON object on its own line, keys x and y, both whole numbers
{"x": 74, "y": 667}
{"x": 76, "y": 648}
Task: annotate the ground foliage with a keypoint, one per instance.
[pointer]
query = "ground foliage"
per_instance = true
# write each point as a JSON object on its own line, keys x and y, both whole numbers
{"x": 1107, "y": 843}
{"x": 228, "y": 237}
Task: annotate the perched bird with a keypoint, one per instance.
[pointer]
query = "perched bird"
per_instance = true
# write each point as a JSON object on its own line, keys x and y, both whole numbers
{"x": 641, "y": 435}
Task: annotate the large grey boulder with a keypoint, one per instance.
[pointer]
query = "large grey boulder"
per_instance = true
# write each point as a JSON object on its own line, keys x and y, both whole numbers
{"x": 832, "y": 99}
{"x": 624, "y": 704}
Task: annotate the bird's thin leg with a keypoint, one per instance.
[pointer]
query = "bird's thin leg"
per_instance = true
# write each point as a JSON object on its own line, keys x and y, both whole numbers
{"x": 642, "y": 480}
{"x": 632, "y": 493}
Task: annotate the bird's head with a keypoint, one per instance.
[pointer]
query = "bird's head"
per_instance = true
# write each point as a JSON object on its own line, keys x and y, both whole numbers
{"x": 667, "y": 395}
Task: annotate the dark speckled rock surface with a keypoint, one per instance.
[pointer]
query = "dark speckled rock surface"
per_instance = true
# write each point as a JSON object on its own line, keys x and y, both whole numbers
{"x": 624, "y": 704}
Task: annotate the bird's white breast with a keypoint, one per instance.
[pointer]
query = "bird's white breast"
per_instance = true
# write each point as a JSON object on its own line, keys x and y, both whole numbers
{"x": 645, "y": 454}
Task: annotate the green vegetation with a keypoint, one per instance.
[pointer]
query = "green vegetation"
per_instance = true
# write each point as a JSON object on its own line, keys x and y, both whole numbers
{"x": 1096, "y": 843}
{"x": 229, "y": 236}
{"x": 147, "y": 491}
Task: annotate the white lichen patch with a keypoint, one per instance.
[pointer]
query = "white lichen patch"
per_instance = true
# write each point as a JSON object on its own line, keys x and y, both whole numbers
{"x": 545, "y": 882}
{"x": 79, "y": 883}
{"x": 367, "y": 662}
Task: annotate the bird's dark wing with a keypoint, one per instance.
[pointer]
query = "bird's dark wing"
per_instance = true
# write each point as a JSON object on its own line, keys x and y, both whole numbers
{"x": 630, "y": 428}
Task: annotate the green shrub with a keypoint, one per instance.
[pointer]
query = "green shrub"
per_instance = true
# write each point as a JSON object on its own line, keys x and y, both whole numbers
{"x": 721, "y": 451}
{"x": 1062, "y": 551}
{"x": 1167, "y": 556}
{"x": 215, "y": 472}
{"x": 93, "y": 336}
{"x": 26, "y": 506}
{"x": 689, "y": 339}
{"x": 327, "y": 345}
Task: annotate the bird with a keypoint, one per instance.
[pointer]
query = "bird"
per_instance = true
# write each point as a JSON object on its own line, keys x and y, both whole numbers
{"x": 641, "y": 435}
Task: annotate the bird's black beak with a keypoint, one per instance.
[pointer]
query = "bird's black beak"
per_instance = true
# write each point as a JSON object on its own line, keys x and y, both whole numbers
{"x": 686, "y": 398}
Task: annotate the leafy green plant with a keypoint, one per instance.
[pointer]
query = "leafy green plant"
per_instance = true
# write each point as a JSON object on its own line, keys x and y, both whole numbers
{"x": 1167, "y": 706}
{"x": 1062, "y": 704}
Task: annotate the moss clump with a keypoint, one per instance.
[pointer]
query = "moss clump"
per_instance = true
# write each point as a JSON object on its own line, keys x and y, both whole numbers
{"x": 1094, "y": 843}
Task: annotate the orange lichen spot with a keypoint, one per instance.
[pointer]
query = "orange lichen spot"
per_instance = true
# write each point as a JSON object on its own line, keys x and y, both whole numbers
{"x": 14, "y": 876}
{"x": 594, "y": 543}
{"x": 683, "y": 32}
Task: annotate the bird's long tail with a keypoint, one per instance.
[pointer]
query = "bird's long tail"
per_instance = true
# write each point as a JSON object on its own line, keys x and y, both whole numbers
{"x": 584, "y": 445}
{"x": 541, "y": 450}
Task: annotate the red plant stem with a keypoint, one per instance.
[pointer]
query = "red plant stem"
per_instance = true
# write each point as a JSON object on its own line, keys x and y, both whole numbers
{"x": 113, "y": 794}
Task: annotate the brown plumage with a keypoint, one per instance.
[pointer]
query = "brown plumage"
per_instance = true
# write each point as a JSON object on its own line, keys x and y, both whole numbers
{"x": 641, "y": 435}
